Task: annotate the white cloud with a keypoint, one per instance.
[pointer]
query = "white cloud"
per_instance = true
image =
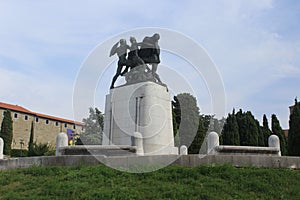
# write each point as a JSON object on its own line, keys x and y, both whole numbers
{"x": 288, "y": 70}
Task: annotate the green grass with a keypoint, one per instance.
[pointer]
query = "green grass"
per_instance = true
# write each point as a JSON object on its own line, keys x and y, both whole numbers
{"x": 173, "y": 182}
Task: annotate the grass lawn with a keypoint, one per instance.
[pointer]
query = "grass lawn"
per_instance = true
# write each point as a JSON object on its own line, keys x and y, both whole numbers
{"x": 172, "y": 182}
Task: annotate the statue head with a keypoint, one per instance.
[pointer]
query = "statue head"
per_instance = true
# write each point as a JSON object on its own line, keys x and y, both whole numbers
{"x": 156, "y": 36}
{"x": 122, "y": 41}
{"x": 132, "y": 40}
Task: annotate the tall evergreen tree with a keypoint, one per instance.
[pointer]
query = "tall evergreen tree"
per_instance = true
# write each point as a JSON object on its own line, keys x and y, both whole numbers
{"x": 175, "y": 129}
{"x": 176, "y": 111}
{"x": 194, "y": 148}
{"x": 6, "y": 132}
{"x": 294, "y": 131}
{"x": 261, "y": 139}
{"x": 230, "y": 135}
{"x": 248, "y": 129}
{"x": 266, "y": 130}
{"x": 277, "y": 130}
{"x": 185, "y": 105}
{"x": 30, "y": 143}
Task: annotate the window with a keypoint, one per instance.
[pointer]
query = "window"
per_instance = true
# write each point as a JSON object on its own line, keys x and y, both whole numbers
{"x": 47, "y": 121}
{"x": 36, "y": 119}
{"x": 74, "y": 126}
{"x": 66, "y": 125}
{"x": 56, "y": 123}
{"x": 16, "y": 115}
{"x": 26, "y": 117}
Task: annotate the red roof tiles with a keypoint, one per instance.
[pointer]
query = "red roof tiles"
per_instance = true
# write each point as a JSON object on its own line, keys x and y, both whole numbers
{"x": 24, "y": 110}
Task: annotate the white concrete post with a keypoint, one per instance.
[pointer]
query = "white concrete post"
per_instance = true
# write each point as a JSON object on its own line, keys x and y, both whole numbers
{"x": 274, "y": 142}
{"x": 212, "y": 142}
{"x": 61, "y": 141}
{"x": 183, "y": 150}
{"x": 1, "y": 148}
{"x": 138, "y": 140}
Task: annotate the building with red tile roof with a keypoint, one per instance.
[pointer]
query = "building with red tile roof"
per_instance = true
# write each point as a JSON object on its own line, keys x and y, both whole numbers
{"x": 46, "y": 127}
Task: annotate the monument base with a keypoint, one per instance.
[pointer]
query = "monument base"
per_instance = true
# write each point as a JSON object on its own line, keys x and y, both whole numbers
{"x": 143, "y": 107}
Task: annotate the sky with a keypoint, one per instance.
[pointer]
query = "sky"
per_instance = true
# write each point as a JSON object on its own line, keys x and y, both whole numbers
{"x": 255, "y": 46}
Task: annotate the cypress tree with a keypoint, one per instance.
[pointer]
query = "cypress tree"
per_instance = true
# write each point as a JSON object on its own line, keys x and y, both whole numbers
{"x": 294, "y": 131}
{"x": 261, "y": 139}
{"x": 240, "y": 118}
{"x": 30, "y": 143}
{"x": 176, "y": 111}
{"x": 6, "y": 132}
{"x": 199, "y": 138}
{"x": 253, "y": 132}
{"x": 189, "y": 118}
{"x": 277, "y": 130}
{"x": 230, "y": 135}
{"x": 266, "y": 130}
{"x": 248, "y": 129}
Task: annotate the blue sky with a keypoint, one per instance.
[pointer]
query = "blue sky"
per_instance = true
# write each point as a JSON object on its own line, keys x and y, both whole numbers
{"x": 254, "y": 44}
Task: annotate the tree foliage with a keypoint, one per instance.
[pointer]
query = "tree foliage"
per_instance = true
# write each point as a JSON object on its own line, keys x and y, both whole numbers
{"x": 266, "y": 130}
{"x": 187, "y": 117}
{"x": 261, "y": 139}
{"x": 93, "y": 128}
{"x": 248, "y": 129}
{"x": 195, "y": 147}
{"x": 30, "y": 143}
{"x": 6, "y": 132}
{"x": 230, "y": 134}
{"x": 40, "y": 149}
{"x": 277, "y": 130}
{"x": 294, "y": 131}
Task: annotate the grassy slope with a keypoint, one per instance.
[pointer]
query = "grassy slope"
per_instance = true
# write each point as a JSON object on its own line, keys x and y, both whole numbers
{"x": 173, "y": 182}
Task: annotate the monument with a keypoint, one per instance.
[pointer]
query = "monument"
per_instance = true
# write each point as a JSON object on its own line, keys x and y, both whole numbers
{"x": 142, "y": 106}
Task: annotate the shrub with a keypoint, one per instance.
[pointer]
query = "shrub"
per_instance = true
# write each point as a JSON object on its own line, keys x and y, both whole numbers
{"x": 41, "y": 149}
{"x": 18, "y": 153}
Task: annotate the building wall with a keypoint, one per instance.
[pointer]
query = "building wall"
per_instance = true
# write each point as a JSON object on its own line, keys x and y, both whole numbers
{"x": 45, "y": 130}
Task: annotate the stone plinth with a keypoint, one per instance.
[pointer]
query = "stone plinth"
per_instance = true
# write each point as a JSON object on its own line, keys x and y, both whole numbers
{"x": 143, "y": 107}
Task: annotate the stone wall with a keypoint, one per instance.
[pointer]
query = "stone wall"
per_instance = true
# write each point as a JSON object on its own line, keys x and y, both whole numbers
{"x": 125, "y": 161}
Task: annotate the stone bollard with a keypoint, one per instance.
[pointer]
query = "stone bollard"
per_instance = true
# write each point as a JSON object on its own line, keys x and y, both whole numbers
{"x": 138, "y": 141}
{"x": 183, "y": 150}
{"x": 61, "y": 141}
{"x": 212, "y": 142}
{"x": 274, "y": 141}
{"x": 1, "y": 148}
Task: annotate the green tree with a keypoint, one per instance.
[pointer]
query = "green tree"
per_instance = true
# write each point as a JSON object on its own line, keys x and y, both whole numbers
{"x": 30, "y": 143}
{"x": 175, "y": 128}
{"x": 277, "y": 130}
{"x": 261, "y": 139}
{"x": 230, "y": 135}
{"x": 294, "y": 131}
{"x": 93, "y": 128}
{"x": 248, "y": 129}
{"x": 266, "y": 130}
{"x": 6, "y": 132}
{"x": 187, "y": 117}
{"x": 176, "y": 111}
{"x": 195, "y": 147}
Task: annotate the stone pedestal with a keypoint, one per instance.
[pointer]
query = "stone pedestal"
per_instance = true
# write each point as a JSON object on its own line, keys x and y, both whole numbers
{"x": 143, "y": 107}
